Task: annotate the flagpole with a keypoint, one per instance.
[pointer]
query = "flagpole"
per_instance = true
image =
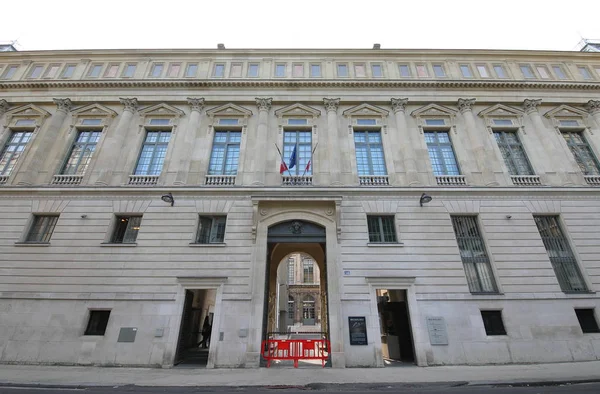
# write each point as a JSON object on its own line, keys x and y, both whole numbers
{"x": 311, "y": 156}
{"x": 283, "y": 161}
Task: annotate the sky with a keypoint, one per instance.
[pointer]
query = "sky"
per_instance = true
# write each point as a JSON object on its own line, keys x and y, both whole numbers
{"x": 438, "y": 24}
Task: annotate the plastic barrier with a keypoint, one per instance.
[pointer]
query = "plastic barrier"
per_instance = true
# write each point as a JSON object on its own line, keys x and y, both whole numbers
{"x": 295, "y": 349}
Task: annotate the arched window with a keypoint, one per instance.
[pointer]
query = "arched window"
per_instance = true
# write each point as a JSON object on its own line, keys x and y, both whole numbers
{"x": 308, "y": 307}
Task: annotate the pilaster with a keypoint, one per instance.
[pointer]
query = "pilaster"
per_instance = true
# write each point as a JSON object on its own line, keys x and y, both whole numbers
{"x": 333, "y": 155}
{"x": 186, "y": 144}
{"x": 260, "y": 140}
{"x": 405, "y": 142}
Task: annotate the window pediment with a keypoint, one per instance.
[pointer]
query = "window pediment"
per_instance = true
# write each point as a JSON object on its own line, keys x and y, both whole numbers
{"x": 297, "y": 110}
{"x": 433, "y": 110}
{"x": 434, "y": 115}
{"x": 161, "y": 109}
{"x": 502, "y": 116}
{"x": 366, "y": 110}
{"x": 95, "y": 110}
{"x": 31, "y": 111}
{"x": 500, "y": 110}
{"x": 566, "y": 111}
{"x": 567, "y": 117}
{"x": 160, "y": 115}
{"x": 229, "y": 110}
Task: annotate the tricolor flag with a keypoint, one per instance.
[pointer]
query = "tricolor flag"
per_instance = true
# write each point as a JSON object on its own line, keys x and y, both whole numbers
{"x": 293, "y": 159}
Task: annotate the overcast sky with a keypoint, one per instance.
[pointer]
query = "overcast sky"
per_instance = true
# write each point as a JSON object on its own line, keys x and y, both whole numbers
{"x": 466, "y": 24}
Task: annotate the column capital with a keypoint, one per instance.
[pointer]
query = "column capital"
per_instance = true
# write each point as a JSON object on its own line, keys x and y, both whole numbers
{"x": 530, "y": 105}
{"x": 593, "y": 106}
{"x": 264, "y": 103}
{"x": 331, "y": 104}
{"x": 3, "y": 106}
{"x": 399, "y": 104}
{"x": 130, "y": 104}
{"x": 196, "y": 103}
{"x": 464, "y": 104}
{"x": 63, "y": 105}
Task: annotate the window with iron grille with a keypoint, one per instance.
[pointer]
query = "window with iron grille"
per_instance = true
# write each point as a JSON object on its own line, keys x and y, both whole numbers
{"x": 81, "y": 153}
{"x": 560, "y": 253}
{"x": 41, "y": 228}
{"x": 473, "y": 254}
{"x": 291, "y": 309}
{"x": 126, "y": 229}
{"x": 291, "y": 271}
{"x": 492, "y": 321}
{"x": 369, "y": 153}
{"x": 225, "y": 153}
{"x": 587, "y": 320}
{"x": 582, "y": 152}
{"x": 153, "y": 153}
{"x": 308, "y": 307}
{"x": 513, "y": 153}
{"x": 309, "y": 271}
{"x": 97, "y": 323}
{"x": 381, "y": 229}
{"x": 302, "y": 142}
{"x": 441, "y": 153}
{"x": 211, "y": 230}
{"x": 13, "y": 150}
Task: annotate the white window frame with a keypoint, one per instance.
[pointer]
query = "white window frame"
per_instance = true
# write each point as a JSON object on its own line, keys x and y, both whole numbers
{"x": 127, "y": 65}
{"x": 92, "y": 68}
{"x": 153, "y": 67}
{"x": 214, "y": 70}
{"x": 187, "y": 68}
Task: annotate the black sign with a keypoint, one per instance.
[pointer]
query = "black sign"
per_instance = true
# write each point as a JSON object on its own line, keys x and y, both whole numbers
{"x": 358, "y": 330}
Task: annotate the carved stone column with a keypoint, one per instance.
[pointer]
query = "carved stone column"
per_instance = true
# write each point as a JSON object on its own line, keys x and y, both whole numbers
{"x": 47, "y": 138}
{"x": 477, "y": 144}
{"x": 113, "y": 143}
{"x": 333, "y": 155}
{"x": 185, "y": 148}
{"x": 405, "y": 142}
{"x": 593, "y": 107}
{"x": 261, "y": 141}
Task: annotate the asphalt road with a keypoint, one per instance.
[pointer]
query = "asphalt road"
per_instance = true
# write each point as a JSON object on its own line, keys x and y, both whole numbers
{"x": 441, "y": 388}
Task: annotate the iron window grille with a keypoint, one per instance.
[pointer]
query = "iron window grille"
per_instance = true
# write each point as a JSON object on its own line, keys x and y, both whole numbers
{"x": 560, "y": 253}
{"x": 476, "y": 263}
{"x": 126, "y": 229}
{"x": 211, "y": 229}
{"x": 492, "y": 321}
{"x": 97, "y": 323}
{"x": 587, "y": 320}
{"x": 369, "y": 153}
{"x": 441, "y": 153}
{"x": 513, "y": 153}
{"x": 381, "y": 229}
{"x": 225, "y": 153}
{"x": 153, "y": 153}
{"x": 13, "y": 150}
{"x": 582, "y": 152}
{"x": 41, "y": 229}
{"x": 302, "y": 141}
{"x": 308, "y": 271}
{"x": 81, "y": 153}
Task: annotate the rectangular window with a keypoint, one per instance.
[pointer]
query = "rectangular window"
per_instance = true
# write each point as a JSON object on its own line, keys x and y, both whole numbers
{"x": 291, "y": 272}
{"x": 211, "y": 230}
{"x": 473, "y": 255}
{"x": 36, "y": 72}
{"x": 291, "y": 310}
{"x": 404, "y": 70}
{"x": 81, "y": 153}
{"x": 587, "y": 321}
{"x": 41, "y": 228}
{"x": 582, "y": 152}
{"x": 308, "y": 270}
{"x": 52, "y": 71}
{"x": 91, "y": 122}
{"x": 465, "y": 70}
{"x": 439, "y": 71}
{"x": 422, "y": 70}
{"x": 297, "y": 122}
{"x": 376, "y": 70}
{"x": 441, "y": 153}
{"x": 153, "y": 153}
{"x": 342, "y": 70}
{"x": 129, "y": 71}
{"x": 560, "y": 253}
{"x": 543, "y": 71}
{"x": 366, "y": 122}
{"x": 381, "y": 229}
{"x": 97, "y": 323}
{"x": 435, "y": 122}
{"x": 513, "y": 153}
{"x": 492, "y": 321}
{"x": 585, "y": 72}
{"x": 157, "y": 70}
{"x": 597, "y": 69}
{"x": 499, "y": 70}
{"x": 95, "y": 71}
{"x": 315, "y": 70}
{"x": 483, "y": 71}
{"x": 10, "y": 72}
{"x": 126, "y": 229}
{"x": 559, "y": 72}
{"x": 13, "y": 150}
{"x": 369, "y": 153}
{"x": 236, "y": 70}
{"x": 219, "y": 70}
{"x": 191, "y": 70}
{"x": 68, "y": 71}
{"x": 253, "y": 70}
{"x": 280, "y": 70}
{"x": 298, "y": 70}
{"x": 111, "y": 71}
{"x": 225, "y": 153}
{"x": 527, "y": 71}
{"x": 174, "y": 69}
{"x": 301, "y": 143}
{"x": 359, "y": 71}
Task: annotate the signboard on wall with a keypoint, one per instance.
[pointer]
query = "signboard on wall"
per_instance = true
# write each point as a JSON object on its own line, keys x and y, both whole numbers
{"x": 357, "y": 326}
{"x": 436, "y": 326}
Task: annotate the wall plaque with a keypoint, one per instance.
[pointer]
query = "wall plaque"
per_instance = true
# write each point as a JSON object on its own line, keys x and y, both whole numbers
{"x": 358, "y": 330}
{"x": 438, "y": 335}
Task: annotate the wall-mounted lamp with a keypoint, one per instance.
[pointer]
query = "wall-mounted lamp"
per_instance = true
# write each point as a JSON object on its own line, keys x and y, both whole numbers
{"x": 168, "y": 198}
{"x": 508, "y": 216}
{"x": 425, "y": 198}
{"x": 84, "y": 216}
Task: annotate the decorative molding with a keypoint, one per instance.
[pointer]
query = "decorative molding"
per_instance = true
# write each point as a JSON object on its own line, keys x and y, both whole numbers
{"x": 298, "y": 109}
{"x": 331, "y": 104}
{"x": 501, "y": 111}
{"x": 593, "y": 106}
{"x": 196, "y": 103}
{"x": 63, "y": 105}
{"x": 531, "y": 105}
{"x": 229, "y": 110}
{"x": 4, "y": 106}
{"x": 264, "y": 103}
{"x": 465, "y": 105}
{"x": 91, "y": 111}
{"x": 31, "y": 111}
{"x": 563, "y": 112}
{"x": 399, "y": 104}
{"x": 435, "y": 111}
{"x": 130, "y": 104}
{"x": 162, "y": 109}
{"x": 365, "y": 110}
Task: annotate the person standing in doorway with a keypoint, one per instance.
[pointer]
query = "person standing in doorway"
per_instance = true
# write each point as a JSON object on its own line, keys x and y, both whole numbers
{"x": 206, "y": 330}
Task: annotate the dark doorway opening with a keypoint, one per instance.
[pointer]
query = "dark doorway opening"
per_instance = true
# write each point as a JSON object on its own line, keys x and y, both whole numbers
{"x": 195, "y": 332}
{"x": 396, "y": 334}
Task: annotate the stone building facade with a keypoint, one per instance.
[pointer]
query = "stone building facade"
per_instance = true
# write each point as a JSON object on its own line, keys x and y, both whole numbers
{"x": 465, "y": 184}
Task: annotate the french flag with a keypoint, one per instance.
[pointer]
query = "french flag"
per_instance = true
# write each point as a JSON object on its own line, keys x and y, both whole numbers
{"x": 292, "y": 163}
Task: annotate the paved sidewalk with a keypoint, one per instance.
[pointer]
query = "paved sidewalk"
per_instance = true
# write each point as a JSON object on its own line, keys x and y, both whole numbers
{"x": 99, "y": 376}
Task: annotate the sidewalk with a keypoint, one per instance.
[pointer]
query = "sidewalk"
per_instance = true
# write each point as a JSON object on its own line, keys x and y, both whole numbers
{"x": 99, "y": 376}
